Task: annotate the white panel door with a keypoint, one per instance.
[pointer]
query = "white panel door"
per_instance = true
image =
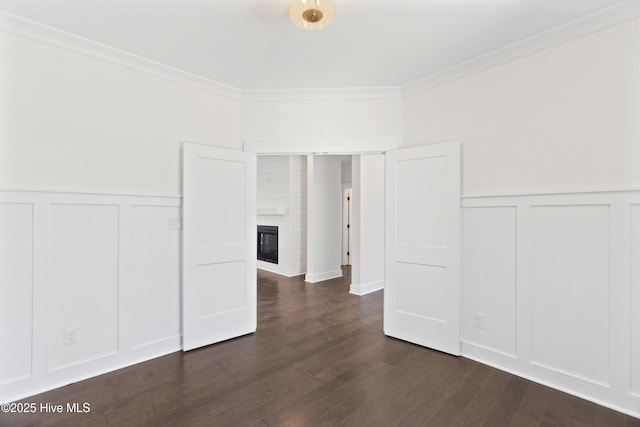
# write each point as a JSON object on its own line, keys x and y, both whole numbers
{"x": 422, "y": 246}
{"x": 219, "y": 245}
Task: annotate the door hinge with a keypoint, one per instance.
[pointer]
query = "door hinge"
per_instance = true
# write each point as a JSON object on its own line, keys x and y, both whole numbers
{"x": 348, "y": 253}
{"x": 348, "y": 225}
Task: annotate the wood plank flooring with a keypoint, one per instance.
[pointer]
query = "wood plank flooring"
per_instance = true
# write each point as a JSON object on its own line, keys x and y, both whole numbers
{"x": 319, "y": 358}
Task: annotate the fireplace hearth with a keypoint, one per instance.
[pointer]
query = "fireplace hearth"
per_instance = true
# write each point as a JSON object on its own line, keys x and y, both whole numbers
{"x": 268, "y": 243}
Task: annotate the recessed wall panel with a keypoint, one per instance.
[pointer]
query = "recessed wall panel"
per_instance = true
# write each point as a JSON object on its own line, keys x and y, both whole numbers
{"x": 569, "y": 290}
{"x": 82, "y": 288}
{"x": 420, "y": 208}
{"x": 489, "y": 277}
{"x": 635, "y": 299}
{"x": 16, "y": 290}
{"x": 151, "y": 301}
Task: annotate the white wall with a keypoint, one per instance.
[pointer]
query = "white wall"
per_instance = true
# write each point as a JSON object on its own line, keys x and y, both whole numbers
{"x": 562, "y": 118}
{"x": 87, "y": 255}
{"x": 281, "y": 192}
{"x": 324, "y": 218}
{"x": 368, "y": 224}
{"x": 272, "y": 191}
{"x": 298, "y": 213}
{"x": 553, "y": 275}
{"x": 635, "y": 300}
{"x": 342, "y": 122}
{"x": 565, "y": 117}
{"x": 73, "y": 122}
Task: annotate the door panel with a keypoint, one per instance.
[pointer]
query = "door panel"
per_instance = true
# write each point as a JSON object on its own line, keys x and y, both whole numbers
{"x": 421, "y": 220}
{"x": 219, "y": 245}
{"x": 422, "y": 243}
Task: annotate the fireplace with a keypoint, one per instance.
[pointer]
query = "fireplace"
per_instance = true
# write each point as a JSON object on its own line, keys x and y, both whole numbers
{"x": 268, "y": 243}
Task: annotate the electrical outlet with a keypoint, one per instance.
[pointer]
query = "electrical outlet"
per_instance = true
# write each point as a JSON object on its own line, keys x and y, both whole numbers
{"x": 70, "y": 336}
{"x": 480, "y": 320}
{"x": 175, "y": 223}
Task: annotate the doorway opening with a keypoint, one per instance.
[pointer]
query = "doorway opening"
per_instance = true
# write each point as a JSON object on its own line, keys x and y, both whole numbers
{"x": 302, "y": 195}
{"x": 346, "y": 226}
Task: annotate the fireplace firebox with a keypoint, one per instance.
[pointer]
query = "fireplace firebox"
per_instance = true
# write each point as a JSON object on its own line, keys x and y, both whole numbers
{"x": 268, "y": 243}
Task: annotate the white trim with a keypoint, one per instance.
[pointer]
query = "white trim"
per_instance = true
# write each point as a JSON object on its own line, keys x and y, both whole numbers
{"x": 99, "y": 367}
{"x": 592, "y": 23}
{"x": 264, "y": 266}
{"x": 473, "y": 344}
{"x": 317, "y": 153}
{"x": 613, "y": 388}
{"x": 85, "y": 192}
{"x": 367, "y": 288}
{"x": 554, "y": 198}
{"x": 320, "y": 94}
{"x": 36, "y": 31}
{"x": 32, "y": 30}
{"x": 597, "y": 21}
{"x": 566, "y": 373}
{"x": 536, "y": 379}
{"x": 321, "y": 277}
{"x": 46, "y": 374}
{"x": 312, "y": 146}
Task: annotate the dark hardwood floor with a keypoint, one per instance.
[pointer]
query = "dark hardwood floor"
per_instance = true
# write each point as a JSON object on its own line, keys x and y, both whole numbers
{"x": 319, "y": 358}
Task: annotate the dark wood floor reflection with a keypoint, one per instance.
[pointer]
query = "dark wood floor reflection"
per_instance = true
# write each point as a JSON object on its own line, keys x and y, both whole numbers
{"x": 319, "y": 358}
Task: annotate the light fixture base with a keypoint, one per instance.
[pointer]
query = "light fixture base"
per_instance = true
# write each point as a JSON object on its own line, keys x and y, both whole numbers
{"x": 312, "y": 14}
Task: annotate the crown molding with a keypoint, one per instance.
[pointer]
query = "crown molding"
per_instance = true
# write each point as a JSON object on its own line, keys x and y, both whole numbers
{"x": 32, "y": 30}
{"x": 318, "y": 146}
{"x": 600, "y": 20}
{"x": 597, "y": 21}
{"x": 330, "y": 94}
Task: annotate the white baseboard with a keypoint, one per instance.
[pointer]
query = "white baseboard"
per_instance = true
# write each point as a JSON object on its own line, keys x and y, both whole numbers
{"x": 367, "y": 288}
{"x": 37, "y": 385}
{"x": 126, "y": 330}
{"x": 271, "y": 267}
{"x": 508, "y": 274}
{"x": 479, "y": 354}
{"x": 320, "y": 277}
{"x": 275, "y": 271}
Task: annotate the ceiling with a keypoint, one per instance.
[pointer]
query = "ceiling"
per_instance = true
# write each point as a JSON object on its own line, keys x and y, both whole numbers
{"x": 252, "y": 44}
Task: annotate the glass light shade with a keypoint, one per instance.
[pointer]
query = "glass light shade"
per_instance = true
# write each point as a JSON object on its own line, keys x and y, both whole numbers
{"x": 312, "y": 14}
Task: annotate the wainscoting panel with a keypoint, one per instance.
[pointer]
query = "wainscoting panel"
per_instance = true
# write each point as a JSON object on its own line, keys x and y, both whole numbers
{"x": 151, "y": 302}
{"x": 488, "y": 314}
{"x": 82, "y": 288}
{"x": 563, "y": 273}
{"x": 635, "y": 300}
{"x": 569, "y": 289}
{"x": 555, "y": 278}
{"x": 89, "y": 283}
{"x": 16, "y": 290}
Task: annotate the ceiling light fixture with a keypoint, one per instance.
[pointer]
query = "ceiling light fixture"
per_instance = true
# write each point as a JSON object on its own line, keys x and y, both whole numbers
{"x": 312, "y": 14}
